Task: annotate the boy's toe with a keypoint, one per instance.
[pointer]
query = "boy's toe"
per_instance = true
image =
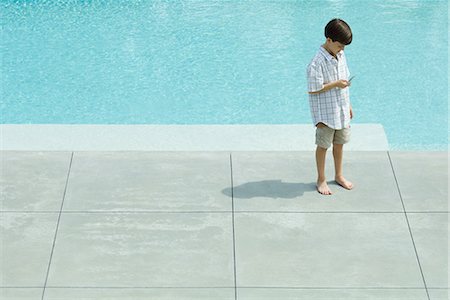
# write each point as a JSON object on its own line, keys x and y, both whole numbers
{"x": 344, "y": 183}
{"x": 323, "y": 188}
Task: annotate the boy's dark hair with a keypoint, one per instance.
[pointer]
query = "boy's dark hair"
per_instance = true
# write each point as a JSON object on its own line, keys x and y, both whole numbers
{"x": 338, "y": 30}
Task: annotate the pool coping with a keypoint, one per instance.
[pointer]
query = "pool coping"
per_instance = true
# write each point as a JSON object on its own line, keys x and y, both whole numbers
{"x": 260, "y": 137}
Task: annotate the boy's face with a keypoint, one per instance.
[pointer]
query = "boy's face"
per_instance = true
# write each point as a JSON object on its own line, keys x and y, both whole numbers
{"x": 334, "y": 47}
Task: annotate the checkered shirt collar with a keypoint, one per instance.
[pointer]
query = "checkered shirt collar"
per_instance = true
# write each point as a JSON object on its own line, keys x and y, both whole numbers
{"x": 327, "y": 55}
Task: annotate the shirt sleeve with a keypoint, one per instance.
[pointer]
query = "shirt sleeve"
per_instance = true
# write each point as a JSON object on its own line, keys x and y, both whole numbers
{"x": 315, "y": 78}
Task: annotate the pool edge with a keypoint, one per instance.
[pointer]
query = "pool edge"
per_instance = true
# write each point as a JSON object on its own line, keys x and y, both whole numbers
{"x": 261, "y": 137}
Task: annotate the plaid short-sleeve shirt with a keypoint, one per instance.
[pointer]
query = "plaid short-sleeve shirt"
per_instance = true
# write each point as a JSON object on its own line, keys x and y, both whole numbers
{"x": 333, "y": 106}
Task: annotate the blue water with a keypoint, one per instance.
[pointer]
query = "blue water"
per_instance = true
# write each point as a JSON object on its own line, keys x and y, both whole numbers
{"x": 222, "y": 62}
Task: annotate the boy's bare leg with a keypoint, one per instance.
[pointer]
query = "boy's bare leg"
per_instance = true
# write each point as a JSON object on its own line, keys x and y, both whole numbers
{"x": 322, "y": 186}
{"x": 339, "y": 177}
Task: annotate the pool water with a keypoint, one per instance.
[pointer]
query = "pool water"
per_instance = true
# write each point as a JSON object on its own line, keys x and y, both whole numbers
{"x": 222, "y": 62}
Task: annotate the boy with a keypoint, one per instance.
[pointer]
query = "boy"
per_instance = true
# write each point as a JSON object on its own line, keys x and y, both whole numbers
{"x": 329, "y": 101}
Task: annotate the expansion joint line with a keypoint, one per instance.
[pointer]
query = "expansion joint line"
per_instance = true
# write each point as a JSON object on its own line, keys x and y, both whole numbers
{"x": 57, "y": 227}
{"x": 232, "y": 220}
{"x": 409, "y": 227}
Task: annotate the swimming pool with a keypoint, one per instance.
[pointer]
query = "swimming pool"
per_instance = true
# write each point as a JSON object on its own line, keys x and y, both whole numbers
{"x": 222, "y": 62}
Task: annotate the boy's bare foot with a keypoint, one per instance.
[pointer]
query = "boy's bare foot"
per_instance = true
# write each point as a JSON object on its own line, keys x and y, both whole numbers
{"x": 344, "y": 182}
{"x": 322, "y": 187}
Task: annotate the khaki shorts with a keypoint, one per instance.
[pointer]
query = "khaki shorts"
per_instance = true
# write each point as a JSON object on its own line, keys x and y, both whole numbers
{"x": 325, "y": 136}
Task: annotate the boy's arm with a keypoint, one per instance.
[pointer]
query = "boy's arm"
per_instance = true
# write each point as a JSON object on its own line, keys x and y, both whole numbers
{"x": 331, "y": 85}
{"x": 316, "y": 83}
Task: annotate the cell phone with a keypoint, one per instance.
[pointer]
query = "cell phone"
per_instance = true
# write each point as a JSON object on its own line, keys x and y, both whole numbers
{"x": 351, "y": 78}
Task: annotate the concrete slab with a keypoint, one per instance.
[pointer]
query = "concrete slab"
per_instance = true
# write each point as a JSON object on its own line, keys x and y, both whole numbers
{"x": 169, "y": 214}
{"x": 439, "y": 294}
{"x": 21, "y": 293}
{"x": 143, "y": 250}
{"x": 33, "y": 181}
{"x": 26, "y": 243}
{"x": 431, "y": 237}
{"x": 140, "y": 294}
{"x": 285, "y": 181}
{"x": 330, "y": 294}
{"x": 365, "y": 137}
{"x": 325, "y": 250}
{"x": 422, "y": 179}
{"x": 136, "y": 181}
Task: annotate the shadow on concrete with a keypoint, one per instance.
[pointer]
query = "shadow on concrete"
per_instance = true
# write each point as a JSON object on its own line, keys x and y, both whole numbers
{"x": 270, "y": 189}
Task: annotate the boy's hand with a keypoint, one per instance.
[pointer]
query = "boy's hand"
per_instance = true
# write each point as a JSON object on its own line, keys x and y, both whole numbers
{"x": 342, "y": 84}
{"x": 351, "y": 112}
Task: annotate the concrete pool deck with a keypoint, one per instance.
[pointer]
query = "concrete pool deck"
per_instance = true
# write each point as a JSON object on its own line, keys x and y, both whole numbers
{"x": 222, "y": 225}
{"x": 299, "y": 137}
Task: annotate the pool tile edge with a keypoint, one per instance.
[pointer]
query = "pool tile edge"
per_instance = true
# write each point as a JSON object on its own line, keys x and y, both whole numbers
{"x": 63, "y": 137}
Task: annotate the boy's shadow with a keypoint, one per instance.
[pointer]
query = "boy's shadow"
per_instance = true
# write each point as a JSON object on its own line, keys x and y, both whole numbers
{"x": 270, "y": 189}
